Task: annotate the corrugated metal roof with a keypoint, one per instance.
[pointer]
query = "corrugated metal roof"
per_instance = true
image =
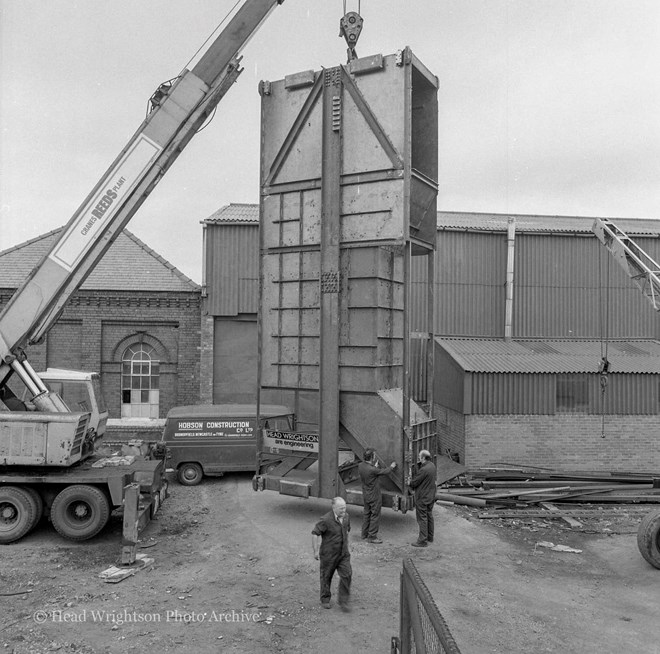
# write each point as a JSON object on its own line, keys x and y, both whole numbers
{"x": 128, "y": 265}
{"x": 234, "y": 213}
{"x": 552, "y": 356}
{"x": 489, "y": 222}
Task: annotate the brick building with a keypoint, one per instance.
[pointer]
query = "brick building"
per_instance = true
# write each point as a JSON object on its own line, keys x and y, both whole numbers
{"x": 135, "y": 320}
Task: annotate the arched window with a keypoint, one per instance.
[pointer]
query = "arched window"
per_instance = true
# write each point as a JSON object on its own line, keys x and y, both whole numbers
{"x": 139, "y": 382}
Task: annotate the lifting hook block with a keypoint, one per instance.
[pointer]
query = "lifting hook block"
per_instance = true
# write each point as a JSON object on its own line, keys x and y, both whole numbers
{"x": 350, "y": 27}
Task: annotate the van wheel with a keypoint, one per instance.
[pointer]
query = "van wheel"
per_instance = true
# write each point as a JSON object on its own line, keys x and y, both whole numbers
{"x": 190, "y": 474}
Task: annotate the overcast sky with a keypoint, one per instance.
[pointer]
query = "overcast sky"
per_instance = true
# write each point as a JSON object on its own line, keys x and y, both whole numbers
{"x": 546, "y": 106}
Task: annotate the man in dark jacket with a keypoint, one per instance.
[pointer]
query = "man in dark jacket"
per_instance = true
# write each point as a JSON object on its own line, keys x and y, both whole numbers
{"x": 371, "y": 494}
{"x": 425, "y": 486}
{"x": 331, "y": 532}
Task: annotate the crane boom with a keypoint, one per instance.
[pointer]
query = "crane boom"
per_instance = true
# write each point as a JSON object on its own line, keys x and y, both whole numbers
{"x": 638, "y": 265}
{"x": 178, "y": 110}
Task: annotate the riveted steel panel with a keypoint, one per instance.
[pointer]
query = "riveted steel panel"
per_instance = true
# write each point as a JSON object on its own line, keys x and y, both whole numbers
{"x": 348, "y": 195}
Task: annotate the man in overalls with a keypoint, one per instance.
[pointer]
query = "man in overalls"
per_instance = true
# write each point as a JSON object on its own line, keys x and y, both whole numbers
{"x": 330, "y": 547}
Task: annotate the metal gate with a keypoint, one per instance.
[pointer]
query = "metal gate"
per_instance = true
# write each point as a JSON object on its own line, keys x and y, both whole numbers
{"x": 422, "y": 629}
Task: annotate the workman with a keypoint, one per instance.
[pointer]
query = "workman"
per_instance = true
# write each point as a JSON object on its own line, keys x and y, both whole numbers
{"x": 331, "y": 533}
{"x": 425, "y": 486}
{"x": 370, "y": 475}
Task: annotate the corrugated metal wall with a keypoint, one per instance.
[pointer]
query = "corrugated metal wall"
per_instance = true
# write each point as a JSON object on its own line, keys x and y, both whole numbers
{"x": 232, "y": 269}
{"x": 632, "y": 395}
{"x": 560, "y": 288}
{"x": 501, "y": 394}
{"x": 470, "y": 272}
{"x": 511, "y": 394}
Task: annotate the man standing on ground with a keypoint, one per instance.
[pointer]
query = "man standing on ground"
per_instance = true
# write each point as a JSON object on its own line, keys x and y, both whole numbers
{"x": 331, "y": 532}
{"x": 371, "y": 494}
{"x": 425, "y": 486}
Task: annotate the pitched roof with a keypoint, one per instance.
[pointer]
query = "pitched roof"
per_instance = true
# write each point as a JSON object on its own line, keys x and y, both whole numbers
{"x": 128, "y": 265}
{"x": 488, "y": 222}
{"x": 234, "y": 213}
{"x": 552, "y": 356}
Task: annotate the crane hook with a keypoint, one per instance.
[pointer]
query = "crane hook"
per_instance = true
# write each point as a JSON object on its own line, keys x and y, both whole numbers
{"x": 350, "y": 27}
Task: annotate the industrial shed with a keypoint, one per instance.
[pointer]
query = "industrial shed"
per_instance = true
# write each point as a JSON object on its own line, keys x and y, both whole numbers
{"x": 544, "y": 402}
{"x": 536, "y": 298}
{"x": 563, "y": 283}
{"x": 230, "y": 301}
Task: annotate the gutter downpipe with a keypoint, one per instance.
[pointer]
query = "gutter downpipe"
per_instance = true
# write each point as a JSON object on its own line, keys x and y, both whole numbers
{"x": 508, "y": 306}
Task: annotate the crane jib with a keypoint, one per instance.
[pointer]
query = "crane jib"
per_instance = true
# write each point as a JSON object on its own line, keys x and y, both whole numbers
{"x": 119, "y": 183}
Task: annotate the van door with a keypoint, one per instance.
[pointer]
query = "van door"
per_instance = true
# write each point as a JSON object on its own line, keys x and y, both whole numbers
{"x": 234, "y": 444}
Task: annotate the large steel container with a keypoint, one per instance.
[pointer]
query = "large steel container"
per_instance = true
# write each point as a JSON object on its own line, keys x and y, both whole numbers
{"x": 348, "y": 195}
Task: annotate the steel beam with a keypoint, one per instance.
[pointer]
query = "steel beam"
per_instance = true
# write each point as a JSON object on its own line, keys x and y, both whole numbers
{"x": 330, "y": 282}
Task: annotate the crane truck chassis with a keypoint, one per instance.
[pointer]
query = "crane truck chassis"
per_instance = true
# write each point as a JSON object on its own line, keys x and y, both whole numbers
{"x": 79, "y": 499}
{"x": 47, "y": 459}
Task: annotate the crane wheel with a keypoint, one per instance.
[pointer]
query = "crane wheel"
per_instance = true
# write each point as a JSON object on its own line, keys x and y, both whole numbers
{"x": 80, "y": 512}
{"x": 17, "y": 513}
{"x": 648, "y": 538}
{"x": 37, "y": 503}
{"x": 190, "y": 474}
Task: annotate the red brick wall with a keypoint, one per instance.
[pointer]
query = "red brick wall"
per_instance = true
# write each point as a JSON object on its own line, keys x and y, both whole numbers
{"x": 206, "y": 360}
{"x": 96, "y": 327}
{"x": 451, "y": 431}
{"x": 565, "y": 442}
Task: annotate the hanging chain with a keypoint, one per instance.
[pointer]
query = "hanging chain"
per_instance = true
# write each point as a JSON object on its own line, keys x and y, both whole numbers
{"x": 604, "y": 367}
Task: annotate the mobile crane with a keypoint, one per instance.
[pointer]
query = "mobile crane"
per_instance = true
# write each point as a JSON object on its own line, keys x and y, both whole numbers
{"x": 644, "y": 271}
{"x": 47, "y": 461}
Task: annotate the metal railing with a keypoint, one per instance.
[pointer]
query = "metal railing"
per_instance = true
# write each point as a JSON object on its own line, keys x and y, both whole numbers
{"x": 422, "y": 629}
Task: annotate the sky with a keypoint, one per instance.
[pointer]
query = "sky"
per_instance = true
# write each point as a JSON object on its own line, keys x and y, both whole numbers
{"x": 548, "y": 107}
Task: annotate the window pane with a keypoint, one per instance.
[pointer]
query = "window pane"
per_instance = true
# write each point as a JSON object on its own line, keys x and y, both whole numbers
{"x": 572, "y": 394}
{"x": 139, "y": 379}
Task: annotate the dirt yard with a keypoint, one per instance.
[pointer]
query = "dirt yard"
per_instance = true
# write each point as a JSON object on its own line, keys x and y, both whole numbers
{"x": 233, "y": 572}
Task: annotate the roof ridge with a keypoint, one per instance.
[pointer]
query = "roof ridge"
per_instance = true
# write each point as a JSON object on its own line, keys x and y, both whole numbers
{"x": 41, "y": 237}
{"x": 513, "y": 214}
{"x": 160, "y": 259}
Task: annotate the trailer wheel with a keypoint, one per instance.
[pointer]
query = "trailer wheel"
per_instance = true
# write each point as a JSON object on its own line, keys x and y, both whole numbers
{"x": 648, "y": 538}
{"x": 80, "y": 512}
{"x": 190, "y": 474}
{"x": 16, "y": 513}
{"x": 37, "y": 503}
